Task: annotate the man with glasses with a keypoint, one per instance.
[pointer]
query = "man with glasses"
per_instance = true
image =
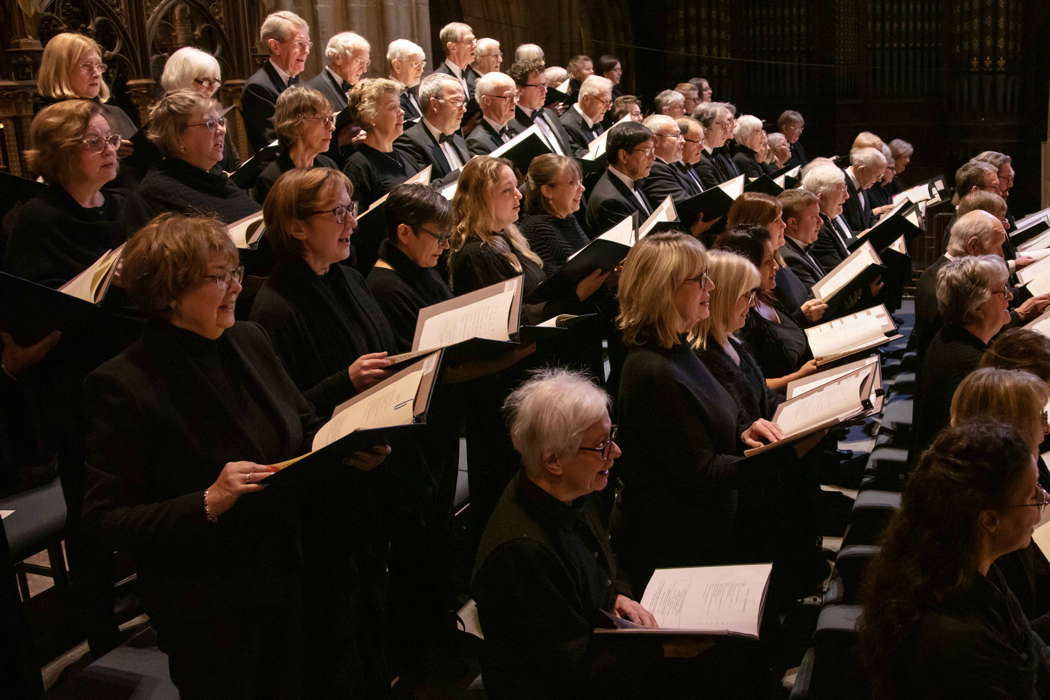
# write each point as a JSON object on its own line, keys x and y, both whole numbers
{"x": 287, "y": 38}
{"x": 715, "y": 167}
{"x": 665, "y": 179}
{"x": 532, "y": 95}
{"x": 406, "y": 61}
{"x": 348, "y": 55}
{"x": 435, "y": 140}
{"x": 630, "y": 151}
{"x": 583, "y": 121}
{"x": 693, "y": 133}
{"x": 461, "y": 49}
{"x": 497, "y": 96}
{"x": 489, "y": 57}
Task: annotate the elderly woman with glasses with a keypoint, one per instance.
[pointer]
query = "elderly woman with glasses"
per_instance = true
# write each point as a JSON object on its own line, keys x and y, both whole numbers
{"x": 191, "y": 132}
{"x": 190, "y": 68}
{"x": 680, "y": 429}
{"x": 65, "y": 228}
{"x": 304, "y": 123}
{"x": 973, "y": 297}
{"x": 939, "y": 619}
{"x": 181, "y": 429}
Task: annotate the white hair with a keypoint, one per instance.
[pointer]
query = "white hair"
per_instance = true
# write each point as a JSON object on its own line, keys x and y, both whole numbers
{"x": 978, "y": 224}
{"x": 186, "y": 65}
{"x": 823, "y": 178}
{"x": 486, "y": 46}
{"x": 746, "y": 126}
{"x": 488, "y": 82}
{"x": 280, "y": 26}
{"x": 432, "y": 86}
{"x": 555, "y": 75}
{"x": 344, "y": 44}
{"x": 549, "y": 414}
{"x": 869, "y": 158}
{"x": 655, "y": 121}
{"x": 666, "y": 98}
{"x": 776, "y": 139}
{"x": 594, "y": 85}
{"x": 965, "y": 284}
{"x": 402, "y": 49}
{"x": 528, "y": 52}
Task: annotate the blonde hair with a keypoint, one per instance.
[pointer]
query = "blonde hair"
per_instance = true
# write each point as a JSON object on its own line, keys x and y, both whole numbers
{"x": 362, "y": 99}
{"x": 56, "y": 134}
{"x": 61, "y": 56}
{"x": 654, "y": 269}
{"x": 187, "y": 65}
{"x": 544, "y": 170}
{"x": 1012, "y": 396}
{"x": 733, "y": 275}
{"x": 474, "y": 214}
{"x": 297, "y": 194}
{"x": 293, "y": 105}
{"x": 167, "y": 257}
{"x": 866, "y": 139}
{"x": 170, "y": 115}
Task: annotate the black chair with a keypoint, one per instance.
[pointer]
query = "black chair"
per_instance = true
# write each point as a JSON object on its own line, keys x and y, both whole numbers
{"x": 871, "y": 513}
{"x": 38, "y": 523}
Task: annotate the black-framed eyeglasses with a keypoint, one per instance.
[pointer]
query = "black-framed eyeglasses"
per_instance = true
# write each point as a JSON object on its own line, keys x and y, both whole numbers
{"x": 339, "y": 212}
{"x": 208, "y": 82}
{"x": 441, "y": 238}
{"x": 97, "y": 144}
{"x": 1042, "y": 502}
{"x": 689, "y": 140}
{"x": 328, "y": 119}
{"x": 223, "y": 280}
{"x": 213, "y": 124}
{"x": 454, "y": 101}
{"x": 606, "y": 445}
{"x": 542, "y": 86}
{"x": 703, "y": 279}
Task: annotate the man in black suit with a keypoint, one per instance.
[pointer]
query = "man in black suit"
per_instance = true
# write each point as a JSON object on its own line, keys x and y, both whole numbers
{"x": 460, "y": 51}
{"x": 496, "y": 95}
{"x": 630, "y": 153}
{"x": 532, "y": 95}
{"x": 828, "y": 183}
{"x": 583, "y": 121}
{"x": 348, "y": 55}
{"x": 865, "y": 169}
{"x": 405, "y": 63}
{"x": 714, "y": 167}
{"x": 287, "y": 37}
{"x": 664, "y": 179}
{"x": 693, "y": 134}
{"x": 435, "y": 140}
{"x": 791, "y": 124}
{"x": 801, "y": 214}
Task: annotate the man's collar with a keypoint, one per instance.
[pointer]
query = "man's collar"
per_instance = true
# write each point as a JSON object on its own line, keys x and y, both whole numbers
{"x": 495, "y": 126}
{"x": 623, "y": 178}
{"x": 456, "y": 70}
{"x": 434, "y": 131}
{"x": 586, "y": 119}
{"x": 280, "y": 72}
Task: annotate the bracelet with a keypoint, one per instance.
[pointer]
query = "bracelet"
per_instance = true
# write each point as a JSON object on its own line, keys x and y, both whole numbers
{"x": 211, "y": 517}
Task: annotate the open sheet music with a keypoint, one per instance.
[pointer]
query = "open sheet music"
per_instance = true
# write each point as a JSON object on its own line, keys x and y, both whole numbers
{"x": 843, "y": 275}
{"x": 712, "y": 203}
{"x": 664, "y": 213}
{"x": 246, "y": 232}
{"x": 596, "y": 148}
{"x": 1040, "y": 324}
{"x": 92, "y": 284}
{"x": 703, "y": 600}
{"x": 849, "y": 335}
{"x": 603, "y": 253}
{"x": 839, "y": 398}
{"x": 812, "y": 381}
{"x": 781, "y": 180}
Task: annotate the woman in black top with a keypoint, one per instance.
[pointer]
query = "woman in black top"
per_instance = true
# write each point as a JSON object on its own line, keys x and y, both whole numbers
{"x": 751, "y": 145}
{"x": 191, "y": 132}
{"x": 939, "y": 620}
{"x": 304, "y": 123}
{"x": 73, "y": 222}
{"x": 182, "y": 426}
{"x": 679, "y": 428}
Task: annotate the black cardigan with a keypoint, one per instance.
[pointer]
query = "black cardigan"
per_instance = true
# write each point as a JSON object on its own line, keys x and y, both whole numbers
{"x": 779, "y": 348}
{"x": 177, "y": 186}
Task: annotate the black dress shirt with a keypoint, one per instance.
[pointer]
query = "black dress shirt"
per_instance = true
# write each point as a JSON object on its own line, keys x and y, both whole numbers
{"x": 746, "y": 161}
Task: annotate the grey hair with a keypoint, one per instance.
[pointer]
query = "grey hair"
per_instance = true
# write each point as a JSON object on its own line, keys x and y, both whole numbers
{"x": 527, "y": 52}
{"x": 594, "y": 85}
{"x": 402, "y": 49}
{"x": 977, "y": 224}
{"x": 281, "y": 25}
{"x": 963, "y": 284}
{"x": 823, "y": 178}
{"x": 186, "y": 65}
{"x": 746, "y": 127}
{"x": 776, "y": 138}
{"x": 486, "y": 83}
{"x": 993, "y": 158}
{"x": 452, "y": 33}
{"x": 431, "y": 86}
{"x": 868, "y": 158}
{"x": 344, "y": 44}
{"x": 486, "y": 45}
{"x": 666, "y": 98}
{"x": 548, "y": 414}
{"x": 654, "y": 121}
{"x": 707, "y": 112}
{"x": 555, "y": 75}
{"x": 900, "y": 147}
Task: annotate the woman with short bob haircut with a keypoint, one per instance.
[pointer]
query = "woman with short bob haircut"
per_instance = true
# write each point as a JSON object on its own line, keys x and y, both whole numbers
{"x": 304, "y": 123}
{"x": 939, "y": 619}
{"x": 681, "y": 439}
{"x": 1020, "y": 348}
{"x": 190, "y": 68}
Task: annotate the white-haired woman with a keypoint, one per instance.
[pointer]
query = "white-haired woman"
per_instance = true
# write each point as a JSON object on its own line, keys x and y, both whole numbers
{"x": 190, "y": 68}
{"x": 750, "y": 142}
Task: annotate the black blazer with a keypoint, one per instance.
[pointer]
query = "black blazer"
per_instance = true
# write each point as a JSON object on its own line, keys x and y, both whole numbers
{"x": 690, "y": 177}
{"x": 412, "y": 113}
{"x": 610, "y": 202}
{"x": 522, "y": 121}
{"x": 828, "y": 249}
{"x": 798, "y": 155}
{"x": 859, "y": 217}
{"x": 927, "y": 315}
{"x": 420, "y": 145}
{"x": 711, "y": 169}
{"x": 665, "y": 180}
{"x": 264, "y": 183}
{"x": 332, "y": 88}
{"x": 484, "y": 139}
{"x": 746, "y": 161}
{"x": 258, "y": 102}
{"x": 806, "y": 268}
{"x": 580, "y": 135}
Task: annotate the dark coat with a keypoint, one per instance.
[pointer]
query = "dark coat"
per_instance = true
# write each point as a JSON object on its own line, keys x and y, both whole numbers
{"x": 334, "y": 89}
{"x": 858, "y": 216}
{"x": 419, "y": 144}
{"x": 523, "y": 121}
{"x": 665, "y": 180}
{"x": 746, "y": 162}
{"x": 269, "y": 175}
{"x": 829, "y": 249}
{"x": 258, "y": 103}
{"x": 805, "y": 267}
{"x": 484, "y": 139}
{"x": 610, "y": 202}
{"x": 177, "y": 186}
{"x": 951, "y": 355}
{"x": 580, "y": 135}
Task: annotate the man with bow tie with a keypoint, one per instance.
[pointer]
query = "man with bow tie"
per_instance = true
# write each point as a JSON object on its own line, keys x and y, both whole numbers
{"x": 583, "y": 121}
{"x": 348, "y": 55}
{"x": 286, "y": 36}
{"x": 532, "y": 95}
{"x": 497, "y": 96}
{"x": 434, "y": 140}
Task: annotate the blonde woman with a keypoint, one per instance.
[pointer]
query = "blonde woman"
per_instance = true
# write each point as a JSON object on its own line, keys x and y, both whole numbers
{"x": 681, "y": 437}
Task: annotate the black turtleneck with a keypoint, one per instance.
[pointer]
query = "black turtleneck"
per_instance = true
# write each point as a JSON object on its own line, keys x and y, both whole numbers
{"x": 177, "y": 186}
{"x": 402, "y": 291}
{"x": 319, "y": 325}
{"x": 264, "y": 182}
{"x": 54, "y": 238}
